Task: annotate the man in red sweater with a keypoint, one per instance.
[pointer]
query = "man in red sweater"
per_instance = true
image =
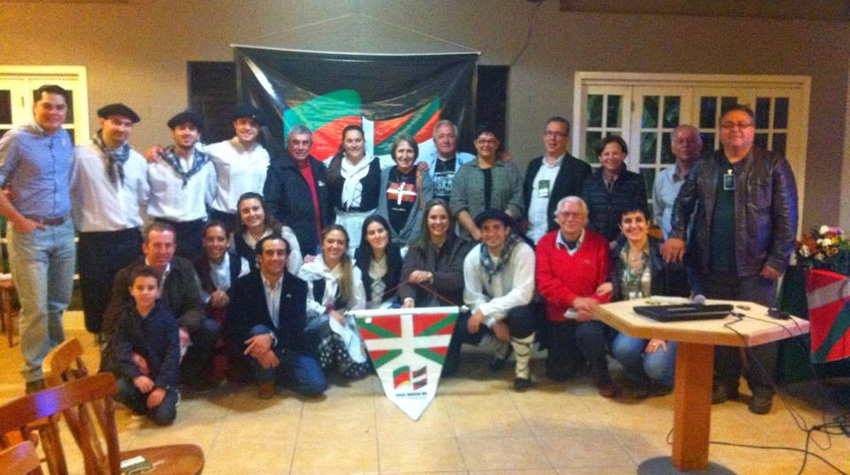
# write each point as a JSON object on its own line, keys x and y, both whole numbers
{"x": 572, "y": 277}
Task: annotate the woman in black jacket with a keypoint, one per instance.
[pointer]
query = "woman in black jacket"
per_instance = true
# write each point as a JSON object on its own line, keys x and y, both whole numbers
{"x": 639, "y": 271}
{"x": 379, "y": 261}
{"x": 432, "y": 274}
{"x": 611, "y": 188}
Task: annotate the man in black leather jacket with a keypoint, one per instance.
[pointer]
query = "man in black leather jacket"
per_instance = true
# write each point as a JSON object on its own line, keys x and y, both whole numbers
{"x": 744, "y": 231}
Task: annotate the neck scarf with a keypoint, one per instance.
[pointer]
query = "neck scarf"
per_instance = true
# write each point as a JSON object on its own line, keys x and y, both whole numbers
{"x": 352, "y": 189}
{"x": 115, "y": 159}
{"x": 173, "y": 159}
{"x": 487, "y": 263}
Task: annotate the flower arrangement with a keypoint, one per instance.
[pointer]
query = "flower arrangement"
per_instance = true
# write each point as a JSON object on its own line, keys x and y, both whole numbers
{"x": 825, "y": 248}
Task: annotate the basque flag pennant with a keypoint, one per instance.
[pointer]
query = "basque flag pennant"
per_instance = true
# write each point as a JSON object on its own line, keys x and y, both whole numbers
{"x": 408, "y": 348}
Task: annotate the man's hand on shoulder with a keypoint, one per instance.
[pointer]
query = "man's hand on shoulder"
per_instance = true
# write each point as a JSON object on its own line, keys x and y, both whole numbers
{"x": 673, "y": 250}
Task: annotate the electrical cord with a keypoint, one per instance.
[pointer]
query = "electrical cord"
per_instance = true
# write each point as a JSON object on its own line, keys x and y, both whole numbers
{"x": 798, "y": 419}
{"x": 532, "y": 16}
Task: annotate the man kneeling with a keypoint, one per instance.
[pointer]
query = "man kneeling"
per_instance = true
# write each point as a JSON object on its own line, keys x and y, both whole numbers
{"x": 143, "y": 351}
{"x": 498, "y": 279}
{"x": 267, "y": 314}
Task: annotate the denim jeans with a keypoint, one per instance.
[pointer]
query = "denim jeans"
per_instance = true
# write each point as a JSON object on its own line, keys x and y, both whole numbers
{"x": 659, "y": 366}
{"x": 300, "y": 372}
{"x": 43, "y": 271}
{"x": 163, "y": 414}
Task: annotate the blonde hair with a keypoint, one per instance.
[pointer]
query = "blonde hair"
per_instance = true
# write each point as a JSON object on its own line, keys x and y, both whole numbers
{"x": 346, "y": 285}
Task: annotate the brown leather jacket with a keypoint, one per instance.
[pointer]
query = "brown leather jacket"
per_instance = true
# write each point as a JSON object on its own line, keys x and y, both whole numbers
{"x": 765, "y": 211}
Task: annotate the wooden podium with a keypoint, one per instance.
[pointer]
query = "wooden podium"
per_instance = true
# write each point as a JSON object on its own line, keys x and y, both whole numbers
{"x": 695, "y": 362}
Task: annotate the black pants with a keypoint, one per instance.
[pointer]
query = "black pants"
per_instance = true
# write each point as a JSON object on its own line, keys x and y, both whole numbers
{"x": 190, "y": 236}
{"x": 570, "y": 343}
{"x": 102, "y": 255}
{"x": 522, "y": 322}
{"x": 727, "y": 359}
{"x": 197, "y": 360}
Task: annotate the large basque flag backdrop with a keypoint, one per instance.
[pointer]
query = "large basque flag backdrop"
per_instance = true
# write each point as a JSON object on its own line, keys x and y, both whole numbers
{"x": 386, "y": 95}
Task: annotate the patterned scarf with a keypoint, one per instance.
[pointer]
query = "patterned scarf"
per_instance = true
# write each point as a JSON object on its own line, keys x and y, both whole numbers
{"x": 115, "y": 159}
{"x": 173, "y": 159}
{"x": 487, "y": 262}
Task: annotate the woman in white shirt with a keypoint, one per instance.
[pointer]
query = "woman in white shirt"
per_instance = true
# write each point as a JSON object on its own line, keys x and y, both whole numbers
{"x": 353, "y": 183}
{"x": 334, "y": 287}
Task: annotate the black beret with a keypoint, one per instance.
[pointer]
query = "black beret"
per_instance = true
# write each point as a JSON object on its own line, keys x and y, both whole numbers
{"x": 118, "y": 109}
{"x": 493, "y": 213}
{"x": 186, "y": 116}
{"x": 244, "y": 112}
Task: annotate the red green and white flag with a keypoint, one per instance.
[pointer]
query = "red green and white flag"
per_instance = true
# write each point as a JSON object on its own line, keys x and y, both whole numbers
{"x": 828, "y": 296}
{"x": 408, "y": 348}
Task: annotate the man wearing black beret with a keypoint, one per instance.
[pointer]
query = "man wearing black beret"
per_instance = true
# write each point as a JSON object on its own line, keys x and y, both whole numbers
{"x": 182, "y": 181}
{"x": 109, "y": 187}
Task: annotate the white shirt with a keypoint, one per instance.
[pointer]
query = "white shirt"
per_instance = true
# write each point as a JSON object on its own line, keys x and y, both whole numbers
{"x": 220, "y": 275}
{"x": 170, "y": 200}
{"x": 272, "y": 292}
{"x": 510, "y": 288}
{"x": 238, "y": 171}
{"x": 317, "y": 269}
{"x": 98, "y": 204}
{"x": 541, "y": 192}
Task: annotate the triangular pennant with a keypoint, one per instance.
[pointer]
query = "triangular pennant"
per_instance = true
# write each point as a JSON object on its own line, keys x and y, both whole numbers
{"x": 408, "y": 348}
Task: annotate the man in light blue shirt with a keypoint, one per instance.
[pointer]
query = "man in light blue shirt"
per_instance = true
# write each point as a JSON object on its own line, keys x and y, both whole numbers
{"x": 35, "y": 165}
{"x": 686, "y": 145}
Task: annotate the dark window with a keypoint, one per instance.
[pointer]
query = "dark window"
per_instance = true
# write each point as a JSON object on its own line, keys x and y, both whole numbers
{"x": 212, "y": 93}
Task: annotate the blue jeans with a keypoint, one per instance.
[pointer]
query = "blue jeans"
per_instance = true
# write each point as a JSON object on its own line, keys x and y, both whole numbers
{"x": 659, "y": 366}
{"x": 129, "y": 395}
{"x": 303, "y": 373}
{"x": 42, "y": 265}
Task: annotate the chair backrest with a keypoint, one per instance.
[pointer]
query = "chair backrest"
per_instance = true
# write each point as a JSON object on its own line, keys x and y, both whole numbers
{"x": 74, "y": 400}
{"x": 20, "y": 459}
{"x": 64, "y": 363}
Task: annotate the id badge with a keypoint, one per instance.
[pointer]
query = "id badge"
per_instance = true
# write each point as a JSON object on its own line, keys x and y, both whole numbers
{"x": 543, "y": 189}
{"x": 729, "y": 181}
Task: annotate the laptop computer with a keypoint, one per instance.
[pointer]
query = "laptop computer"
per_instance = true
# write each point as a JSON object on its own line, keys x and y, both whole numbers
{"x": 684, "y": 312}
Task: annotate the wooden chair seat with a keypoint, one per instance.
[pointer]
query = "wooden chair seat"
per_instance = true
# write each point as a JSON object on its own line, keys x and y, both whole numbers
{"x": 171, "y": 459}
{"x": 20, "y": 459}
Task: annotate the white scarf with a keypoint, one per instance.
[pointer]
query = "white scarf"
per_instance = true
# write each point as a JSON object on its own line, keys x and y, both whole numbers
{"x": 352, "y": 189}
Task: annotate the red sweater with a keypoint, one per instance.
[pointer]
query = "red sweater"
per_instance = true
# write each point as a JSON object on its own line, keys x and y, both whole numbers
{"x": 562, "y": 277}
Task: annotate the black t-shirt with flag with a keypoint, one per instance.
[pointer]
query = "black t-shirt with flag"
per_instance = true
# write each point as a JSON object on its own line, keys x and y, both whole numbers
{"x": 444, "y": 174}
{"x": 400, "y": 195}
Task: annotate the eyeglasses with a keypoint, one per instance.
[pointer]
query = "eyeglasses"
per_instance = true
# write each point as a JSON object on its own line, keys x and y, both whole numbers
{"x": 738, "y": 125}
{"x": 554, "y": 133}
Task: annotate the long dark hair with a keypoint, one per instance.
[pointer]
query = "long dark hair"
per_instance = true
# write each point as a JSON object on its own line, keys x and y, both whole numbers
{"x": 364, "y": 254}
{"x": 346, "y": 284}
{"x": 334, "y": 174}
{"x": 269, "y": 220}
{"x": 424, "y": 239}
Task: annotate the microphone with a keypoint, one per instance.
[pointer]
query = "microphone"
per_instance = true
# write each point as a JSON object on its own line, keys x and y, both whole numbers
{"x": 698, "y": 299}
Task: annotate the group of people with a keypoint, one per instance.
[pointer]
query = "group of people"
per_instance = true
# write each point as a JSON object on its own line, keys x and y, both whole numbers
{"x": 200, "y": 262}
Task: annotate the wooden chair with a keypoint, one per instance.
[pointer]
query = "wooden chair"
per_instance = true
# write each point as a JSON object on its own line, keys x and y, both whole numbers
{"x": 7, "y": 289}
{"x": 20, "y": 459}
{"x": 63, "y": 366}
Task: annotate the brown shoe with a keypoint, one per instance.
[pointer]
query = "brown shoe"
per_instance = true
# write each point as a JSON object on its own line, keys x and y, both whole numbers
{"x": 607, "y": 390}
{"x": 266, "y": 391}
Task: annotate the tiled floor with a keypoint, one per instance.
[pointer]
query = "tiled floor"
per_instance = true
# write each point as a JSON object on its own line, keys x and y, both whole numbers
{"x": 477, "y": 424}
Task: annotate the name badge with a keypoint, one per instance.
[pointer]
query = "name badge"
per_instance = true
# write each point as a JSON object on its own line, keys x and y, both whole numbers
{"x": 543, "y": 189}
{"x": 729, "y": 181}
